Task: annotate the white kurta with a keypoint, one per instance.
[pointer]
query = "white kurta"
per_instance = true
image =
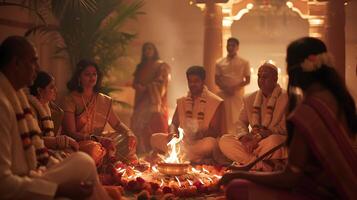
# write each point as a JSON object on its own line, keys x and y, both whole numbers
{"x": 15, "y": 179}
{"x": 232, "y": 147}
{"x": 231, "y": 71}
{"x": 195, "y": 145}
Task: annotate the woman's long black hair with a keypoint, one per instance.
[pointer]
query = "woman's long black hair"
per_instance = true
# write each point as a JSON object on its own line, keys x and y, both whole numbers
{"x": 144, "y": 59}
{"x": 327, "y": 76}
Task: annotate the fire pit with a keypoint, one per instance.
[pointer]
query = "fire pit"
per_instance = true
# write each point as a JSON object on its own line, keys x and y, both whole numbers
{"x": 171, "y": 175}
{"x": 173, "y": 169}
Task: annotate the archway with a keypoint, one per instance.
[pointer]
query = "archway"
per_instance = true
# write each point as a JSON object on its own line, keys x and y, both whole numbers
{"x": 221, "y": 15}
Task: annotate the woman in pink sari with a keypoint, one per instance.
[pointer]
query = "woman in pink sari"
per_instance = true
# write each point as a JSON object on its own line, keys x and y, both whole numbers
{"x": 322, "y": 130}
{"x": 87, "y": 111}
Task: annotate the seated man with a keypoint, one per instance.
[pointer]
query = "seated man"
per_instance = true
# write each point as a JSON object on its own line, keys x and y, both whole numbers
{"x": 25, "y": 170}
{"x": 200, "y": 114}
{"x": 264, "y": 111}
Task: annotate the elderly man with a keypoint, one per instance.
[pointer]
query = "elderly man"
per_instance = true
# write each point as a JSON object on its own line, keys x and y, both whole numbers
{"x": 264, "y": 111}
{"x": 232, "y": 74}
{"x": 201, "y": 116}
{"x": 22, "y": 150}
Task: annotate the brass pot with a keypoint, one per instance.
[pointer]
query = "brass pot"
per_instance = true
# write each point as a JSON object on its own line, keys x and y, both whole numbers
{"x": 173, "y": 169}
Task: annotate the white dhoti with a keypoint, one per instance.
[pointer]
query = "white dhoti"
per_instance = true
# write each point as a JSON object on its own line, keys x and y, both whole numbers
{"x": 233, "y": 149}
{"x": 77, "y": 167}
{"x": 232, "y": 105}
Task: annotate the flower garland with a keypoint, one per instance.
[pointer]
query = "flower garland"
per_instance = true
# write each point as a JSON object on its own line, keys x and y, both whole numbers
{"x": 45, "y": 116}
{"x": 195, "y": 115}
{"x": 309, "y": 65}
{"x": 200, "y": 109}
{"x": 28, "y": 128}
{"x": 257, "y": 120}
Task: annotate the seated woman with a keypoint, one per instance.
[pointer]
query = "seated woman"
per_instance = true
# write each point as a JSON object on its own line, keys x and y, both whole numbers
{"x": 43, "y": 92}
{"x": 87, "y": 111}
{"x": 321, "y": 132}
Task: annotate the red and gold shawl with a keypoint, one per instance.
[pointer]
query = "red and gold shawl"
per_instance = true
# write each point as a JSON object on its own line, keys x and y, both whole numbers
{"x": 330, "y": 141}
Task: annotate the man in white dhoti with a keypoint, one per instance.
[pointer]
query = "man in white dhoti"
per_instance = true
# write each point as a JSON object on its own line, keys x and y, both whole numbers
{"x": 232, "y": 74}
{"x": 264, "y": 113}
{"x": 26, "y": 169}
{"x": 201, "y": 116}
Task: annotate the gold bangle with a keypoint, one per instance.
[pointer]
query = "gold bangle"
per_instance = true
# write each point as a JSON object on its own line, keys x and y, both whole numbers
{"x": 258, "y": 136}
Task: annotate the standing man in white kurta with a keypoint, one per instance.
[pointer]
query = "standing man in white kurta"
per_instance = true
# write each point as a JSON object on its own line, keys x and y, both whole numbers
{"x": 261, "y": 124}
{"x": 21, "y": 148}
{"x": 232, "y": 74}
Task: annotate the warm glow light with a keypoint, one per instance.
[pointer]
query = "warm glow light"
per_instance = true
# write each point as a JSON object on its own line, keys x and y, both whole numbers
{"x": 195, "y": 170}
{"x": 189, "y": 182}
{"x": 154, "y": 169}
{"x": 271, "y": 62}
{"x": 250, "y": 6}
{"x": 205, "y": 170}
{"x": 290, "y": 5}
{"x": 120, "y": 170}
{"x": 240, "y": 14}
{"x": 227, "y": 22}
{"x": 316, "y": 35}
{"x": 201, "y": 181}
{"x": 217, "y": 176}
{"x": 174, "y": 148}
{"x": 162, "y": 183}
{"x": 179, "y": 183}
{"x": 316, "y": 22}
{"x": 226, "y": 10}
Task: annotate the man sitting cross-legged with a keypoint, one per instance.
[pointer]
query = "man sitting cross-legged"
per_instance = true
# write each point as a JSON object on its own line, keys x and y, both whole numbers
{"x": 264, "y": 112}
{"x": 201, "y": 116}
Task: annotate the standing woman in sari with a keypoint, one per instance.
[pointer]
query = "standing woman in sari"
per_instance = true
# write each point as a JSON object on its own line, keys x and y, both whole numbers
{"x": 150, "y": 107}
{"x": 322, "y": 130}
{"x": 86, "y": 112}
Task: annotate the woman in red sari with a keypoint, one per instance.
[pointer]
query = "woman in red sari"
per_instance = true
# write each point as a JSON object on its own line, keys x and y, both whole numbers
{"x": 322, "y": 131}
{"x": 150, "y": 107}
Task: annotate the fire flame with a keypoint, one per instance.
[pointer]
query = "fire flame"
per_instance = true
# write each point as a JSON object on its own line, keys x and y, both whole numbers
{"x": 178, "y": 180}
{"x": 189, "y": 182}
{"x": 174, "y": 148}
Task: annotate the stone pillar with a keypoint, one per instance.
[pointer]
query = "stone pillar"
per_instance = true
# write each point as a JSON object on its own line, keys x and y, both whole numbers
{"x": 316, "y": 27}
{"x": 212, "y": 48}
{"x": 316, "y": 16}
{"x": 335, "y": 34}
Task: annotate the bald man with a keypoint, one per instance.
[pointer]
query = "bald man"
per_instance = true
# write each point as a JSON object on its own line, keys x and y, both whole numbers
{"x": 261, "y": 123}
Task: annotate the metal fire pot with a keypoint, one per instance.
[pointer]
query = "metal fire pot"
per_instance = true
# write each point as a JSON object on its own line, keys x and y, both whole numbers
{"x": 173, "y": 169}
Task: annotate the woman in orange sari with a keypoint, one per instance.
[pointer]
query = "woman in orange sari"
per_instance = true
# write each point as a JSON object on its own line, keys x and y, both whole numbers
{"x": 150, "y": 107}
{"x": 87, "y": 111}
{"x": 322, "y": 130}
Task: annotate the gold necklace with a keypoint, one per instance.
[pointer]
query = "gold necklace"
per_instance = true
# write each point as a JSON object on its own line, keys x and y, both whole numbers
{"x": 89, "y": 115}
